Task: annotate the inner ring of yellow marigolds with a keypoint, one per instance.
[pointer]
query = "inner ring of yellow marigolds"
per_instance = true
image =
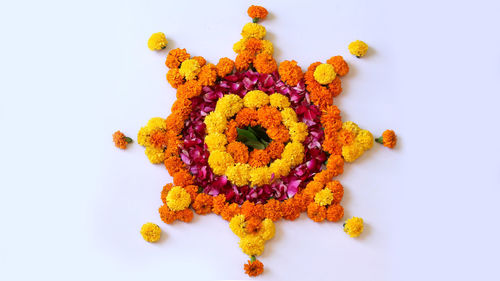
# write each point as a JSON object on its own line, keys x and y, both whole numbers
{"x": 273, "y": 113}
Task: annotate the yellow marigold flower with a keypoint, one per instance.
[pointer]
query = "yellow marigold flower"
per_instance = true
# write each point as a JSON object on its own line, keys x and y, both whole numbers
{"x": 239, "y": 46}
{"x": 143, "y": 136}
{"x": 216, "y": 141}
{"x": 150, "y": 232}
{"x": 278, "y": 100}
{"x": 354, "y": 226}
{"x": 293, "y": 153}
{"x": 352, "y": 152}
{"x": 157, "y": 41}
{"x": 219, "y": 161}
{"x": 157, "y": 123}
{"x": 324, "y": 197}
{"x": 253, "y": 30}
{"x": 268, "y": 229}
{"x": 358, "y": 48}
{"x": 260, "y": 176}
{"x": 190, "y": 69}
{"x": 351, "y": 127}
{"x": 255, "y": 99}
{"x": 279, "y": 168}
{"x": 155, "y": 155}
{"x": 237, "y": 225}
{"x": 298, "y": 131}
{"x": 239, "y": 174}
{"x": 178, "y": 199}
{"x": 324, "y": 73}
{"x": 267, "y": 47}
{"x": 216, "y": 122}
{"x": 289, "y": 117}
{"x": 252, "y": 245}
{"x": 229, "y": 105}
{"x": 364, "y": 139}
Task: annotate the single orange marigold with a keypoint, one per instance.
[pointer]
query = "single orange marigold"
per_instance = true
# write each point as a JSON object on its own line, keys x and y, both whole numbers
{"x": 175, "y": 57}
{"x": 238, "y": 151}
{"x": 290, "y": 72}
{"x": 254, "y": 268}
{"x": 339, "y": 64}
{"x": 225, "y": 67}
{"x": 265, "y": 63}
{"x": 257, "y": 12}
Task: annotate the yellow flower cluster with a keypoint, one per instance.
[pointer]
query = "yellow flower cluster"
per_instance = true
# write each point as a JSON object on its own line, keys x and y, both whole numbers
{"x": 155, "y": 155}
{"x": 363, "y": 141}
{"x": 150, "y": 232}
{"x": 358, "y": 48}
{"x": 157, "y": 41}
{"x": 190, "y": 69}
{"x": 252, "y": 244}
{"x": 324, "y": 197}
{"x": 354, "y": 226}
{"x": 324, "y": 73}
{"x": 222, "y": 163}
{"x": 253, "y": 30}
{"x": 178, "y": 199}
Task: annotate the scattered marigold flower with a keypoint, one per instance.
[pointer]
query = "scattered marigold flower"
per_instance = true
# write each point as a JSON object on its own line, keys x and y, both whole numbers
{"x": 150, "y": 232}
{"x": 339, "y": 65}
{"x": 257, "y": 13}
{"x": 290, "y": 72}
{"x": 254, "y": 268}
{"x": 354, "y": 226}
{"x": 121, "y": 140}
{"x": 157, "y": 41}
{"x": 388, "y": 139}
{"x": 316, "y": 212}
{"x": 175, "y": 57}
{"x": 265, "y": 63}
{"x": 358, "y": 48}
{"x": 225, "y": 67}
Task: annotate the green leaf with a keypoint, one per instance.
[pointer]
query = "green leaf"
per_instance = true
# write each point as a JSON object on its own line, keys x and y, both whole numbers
{"x": 254, "y": 144}
{"x": 128, "y": 140}
{"x": 244, "y": 135}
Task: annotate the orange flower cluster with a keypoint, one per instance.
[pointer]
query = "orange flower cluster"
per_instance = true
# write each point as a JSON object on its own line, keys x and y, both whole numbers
{"x": 169, "y": 216}
{"x": 257, "y": 12}
{"x": 290, "y": 72}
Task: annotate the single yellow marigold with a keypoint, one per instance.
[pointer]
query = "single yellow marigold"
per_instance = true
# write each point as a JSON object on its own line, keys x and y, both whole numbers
{"x": 324, "y": 197}
{"x": 354, "y": 226}
{"x": 351, "y": 152}
{"x": 253, "y": 30}
{"x": 239, "y": 174}
{"x": 278, "y": 100}
{"x": 358, "y": 48}
{"x": 219, "y": 161}
{"x": 279, "y": 168}
{"x": 289, "y": 117}
{"x": 351, "y": 127}
{"x": 216, "y": 122}
{"x": 255, "y": 99}
{"x": 237, "y": 225}
{"x": 178, "y": 199}
{"x": 252, "y": 245}
{"x": 216, "y": 142}
{"x": 268, "y": 229}
{"x": 267, "y": 47}
{"x": 239, "y": 46}
{"x": 157, "y": 41}
{"x": 260, "y": 176}
{"x": 364, "y": 139}
{"x": 229, "y": 105}
{"x": 155, "y": 155}
{"x": 293, "y": 153}
{"x": 150, "y": 232}
{"x": 190, "y": 69}
{"x": 324, "y": 73}
{"x": 298, "y": 131}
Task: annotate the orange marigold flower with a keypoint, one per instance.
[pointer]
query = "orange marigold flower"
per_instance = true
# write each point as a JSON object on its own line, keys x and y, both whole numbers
{"x": 158, "y": 139}
{"x": 246, "y": 116}
{"x": 274, "y": 149}
{"x": 250, "y": 210}
{"x": 310, "y": 71}
{"x": 291, "y": 211}
{"x": 331, "y": 145}
{"x": 225, "y": 67}
{"x": 253, "y": 225}
{"x": 254, "y": 268}
{"x": 175, "y": 57}
{"x": 388, "y": 139}
{"x": 269, "y": 117}
{"x": 290, "y": 72}
{"x": 323, "y": 177}
{"x": 185, "y": 215}
{"x": 230, "y": 211}
{"x": 203, "y": 204}
{"x": 219, "y": 204}
{"x": 183, "y": 178}
{"x": 253, "y": 45}
{"x": 201, "y": 60}
{"x": 243, "y": 60}
{"x": 330, "y": 115}
{"x": 238, "y": 151}
{"x": 337, "y": 190}
{"x": 173, "y": 164}
{"x": 302, "y": 201}
{"x": 175, "y": 123}
{"x": 167, "y": 216}
{"x": 191, "y": 88}
{"x": 335, "y": 87}
{"x": 165, "y": 191}
{"x": 335, "y": 212}
{"x": 316, "y": 212}
{"x": 312, "y": 188}
{"x": 272, "y": 210}
{"x": 322, "y": 98}
{"x": 182, "y": 107}
{"x": 259, "y": 158}
{"x": 257, "y": 12}
{"x": 345, "y": 137}
{"x": 174, "y": 141}
{"x": 231, "y": 132}
{"x": 265, "y": 63}
{"x": 279, "y": 133}
{"x": 192, "y": 190}
{"x": 121, "y": 140}
{"x": 339, "y": 64}
{"x": 208, "y": 75}
{"x": 335, "y": 165}
{"x": 175, "y": 78}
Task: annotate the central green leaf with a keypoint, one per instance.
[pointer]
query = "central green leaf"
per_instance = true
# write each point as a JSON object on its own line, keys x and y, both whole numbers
{"x": 254, "y": 137}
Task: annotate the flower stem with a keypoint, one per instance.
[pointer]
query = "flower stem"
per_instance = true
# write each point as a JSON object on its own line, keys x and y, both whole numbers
{"x": 252, "y": 258}
{"x": 255, "y": 20}
{"x": 380, "y": 140}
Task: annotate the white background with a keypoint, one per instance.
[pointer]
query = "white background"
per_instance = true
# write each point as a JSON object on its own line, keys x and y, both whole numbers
{"x": 73, "y": 72}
